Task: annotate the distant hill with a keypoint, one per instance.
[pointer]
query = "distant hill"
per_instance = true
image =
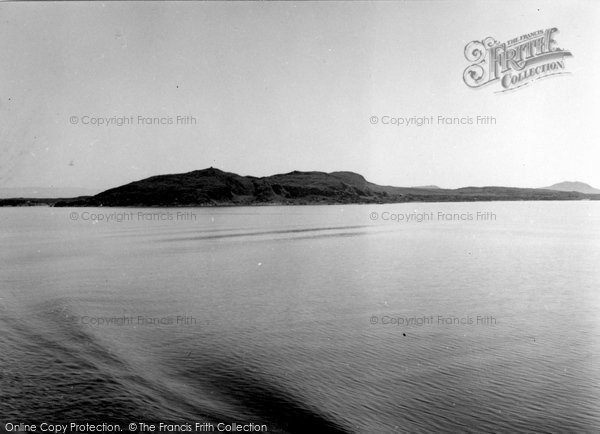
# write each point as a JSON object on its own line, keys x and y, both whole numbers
{"x": 214, "y": 187}
{"x": 580, "y": 187}
{"x": 428, "y": 187}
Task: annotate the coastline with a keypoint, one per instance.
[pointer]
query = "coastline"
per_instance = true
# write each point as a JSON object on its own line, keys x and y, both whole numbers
{"x": 51, "y": 203}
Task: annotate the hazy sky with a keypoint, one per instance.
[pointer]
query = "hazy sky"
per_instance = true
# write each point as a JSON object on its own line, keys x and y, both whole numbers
{"x": 277, "y": 87}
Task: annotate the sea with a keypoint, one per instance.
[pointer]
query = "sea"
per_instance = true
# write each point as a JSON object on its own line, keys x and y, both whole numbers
{"x": 405, "y": 318}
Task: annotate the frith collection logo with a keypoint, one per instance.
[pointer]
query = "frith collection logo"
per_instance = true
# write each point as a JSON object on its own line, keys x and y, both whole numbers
{"x": 515, "y": 63}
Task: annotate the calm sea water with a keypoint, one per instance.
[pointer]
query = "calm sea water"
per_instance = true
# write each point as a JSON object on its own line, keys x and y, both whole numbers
{"x": 306, "y": 319}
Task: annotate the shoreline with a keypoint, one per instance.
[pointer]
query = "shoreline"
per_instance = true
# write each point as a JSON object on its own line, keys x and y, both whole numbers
{"x": 51, "y": 203}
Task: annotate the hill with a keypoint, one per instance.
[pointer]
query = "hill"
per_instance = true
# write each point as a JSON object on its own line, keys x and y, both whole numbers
{"x": 580, "y": 187}
{"x": 214, "y": 187}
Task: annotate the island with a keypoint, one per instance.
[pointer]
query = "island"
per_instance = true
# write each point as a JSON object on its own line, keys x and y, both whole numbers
{"x": 214, "y": 187}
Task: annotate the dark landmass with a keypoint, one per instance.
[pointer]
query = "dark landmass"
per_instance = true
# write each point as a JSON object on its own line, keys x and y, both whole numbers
{"x": 580, "y": 187}
{"x": 35, "y": 201}
{"x": 213, "y": 187}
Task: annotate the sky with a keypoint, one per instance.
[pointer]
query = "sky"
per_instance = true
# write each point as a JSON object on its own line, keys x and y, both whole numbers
{"x": 281, "y": 86}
